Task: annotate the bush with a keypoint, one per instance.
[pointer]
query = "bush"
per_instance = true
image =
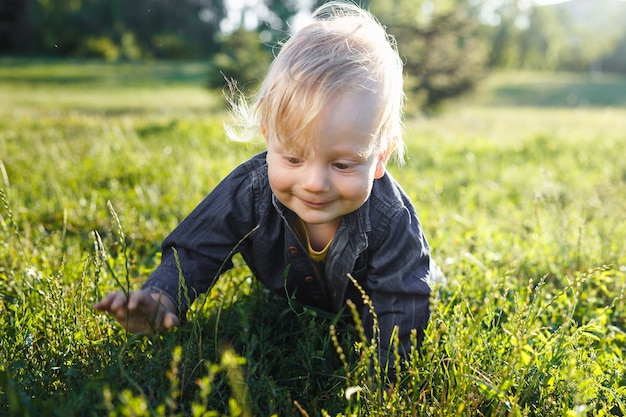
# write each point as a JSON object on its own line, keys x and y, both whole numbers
{"x": 242, "y": 58}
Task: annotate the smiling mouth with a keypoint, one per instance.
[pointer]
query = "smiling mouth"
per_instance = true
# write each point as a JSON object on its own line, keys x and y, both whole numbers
{"x": 315, "y": 204}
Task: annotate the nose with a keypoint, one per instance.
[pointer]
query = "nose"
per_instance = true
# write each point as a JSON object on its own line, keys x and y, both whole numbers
{"x": 316, "y": 179}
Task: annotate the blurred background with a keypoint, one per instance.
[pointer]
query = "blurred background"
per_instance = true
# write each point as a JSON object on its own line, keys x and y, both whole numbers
{"x": 449, "y": 46}
{"x": 112, "y": 130}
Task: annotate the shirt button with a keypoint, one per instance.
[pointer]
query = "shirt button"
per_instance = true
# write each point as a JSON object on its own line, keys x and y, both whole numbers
{"x": 292, "y": 250}
{"x": 308, "y": 279}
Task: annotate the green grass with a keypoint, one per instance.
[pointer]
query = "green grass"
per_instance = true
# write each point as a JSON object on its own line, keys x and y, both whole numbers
{"x": 523, "y": 200}
{"x": 568, "y": 90}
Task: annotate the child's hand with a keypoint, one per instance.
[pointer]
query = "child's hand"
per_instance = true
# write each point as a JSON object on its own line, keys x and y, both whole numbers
{"x": 142, "y": 311}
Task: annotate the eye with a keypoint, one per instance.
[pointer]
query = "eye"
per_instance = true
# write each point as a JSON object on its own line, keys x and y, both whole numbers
{"x": 292, "y": 160}
{"x": 345, "y": 166}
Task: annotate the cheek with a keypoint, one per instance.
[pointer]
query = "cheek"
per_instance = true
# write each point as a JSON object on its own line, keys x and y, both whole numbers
{"x": 358, "y": 188}
{"x": 365, "y": 194}
{"x": 272, "y": 175}
{"x": 279, "y": 180}
{"x": 367, "y": 183}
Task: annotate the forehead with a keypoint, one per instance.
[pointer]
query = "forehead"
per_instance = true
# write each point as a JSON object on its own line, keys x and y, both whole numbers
{"x": 345, "y": 116}
{"x": 349, "y": 115}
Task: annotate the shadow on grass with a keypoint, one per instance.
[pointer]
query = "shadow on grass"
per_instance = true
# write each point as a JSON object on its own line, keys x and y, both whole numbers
{"x": 68, "y": 72}
{"x": 568, "y": 91}
{"x": 289, "y": 353}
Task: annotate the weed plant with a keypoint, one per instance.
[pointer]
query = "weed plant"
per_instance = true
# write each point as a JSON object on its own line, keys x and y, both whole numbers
{"x": 524, "y": 208}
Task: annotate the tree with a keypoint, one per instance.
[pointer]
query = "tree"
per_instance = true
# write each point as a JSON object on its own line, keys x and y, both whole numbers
{"x": 174, "y": 28}
{"x": 616, "y": 61}
{"x": 444, "y": 54}
{"x": 571, "y": 36}
{"x": 246, "y": 53}
{"x": 593, "y": 29}
{"x": 14, "y": 25}
{"x": 282, "y": 11}
{"x": 502, "y": 24}
{"x": 242, "y": 58}
{"x": 112, "y": 28}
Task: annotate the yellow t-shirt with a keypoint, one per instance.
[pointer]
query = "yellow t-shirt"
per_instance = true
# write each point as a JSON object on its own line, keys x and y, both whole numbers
{"x": 318, "y": 257}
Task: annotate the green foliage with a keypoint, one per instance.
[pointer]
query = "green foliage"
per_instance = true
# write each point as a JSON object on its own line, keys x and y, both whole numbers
{"x": 114, "y": 29}
{"x": 616, "y": 60}
{"x": 576, "y": 37}
{"x": 523, "y": 206}
{"x": 444, "y": 55}
{"x": 452, "y": 37}
{"x": 279, "y": 21}
{"x": 570, "y": 36}
{"x": 242, "y": 58}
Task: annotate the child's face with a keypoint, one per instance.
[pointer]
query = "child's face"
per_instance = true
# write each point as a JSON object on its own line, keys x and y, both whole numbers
{"x": 334, "y": 176}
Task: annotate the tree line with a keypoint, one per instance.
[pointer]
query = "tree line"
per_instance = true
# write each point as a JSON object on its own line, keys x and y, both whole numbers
{"x": 448, "y": 45}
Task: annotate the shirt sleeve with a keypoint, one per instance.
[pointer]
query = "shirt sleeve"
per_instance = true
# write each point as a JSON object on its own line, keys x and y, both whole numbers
{"x": 398, "y": 284}
{"x": 201, "y": 247}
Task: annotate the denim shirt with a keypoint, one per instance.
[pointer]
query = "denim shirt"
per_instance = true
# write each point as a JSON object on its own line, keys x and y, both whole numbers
{"x": 381, "y": 245}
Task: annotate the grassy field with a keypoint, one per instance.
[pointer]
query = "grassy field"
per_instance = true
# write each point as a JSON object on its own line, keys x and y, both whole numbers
{"x": 521, "y": 189}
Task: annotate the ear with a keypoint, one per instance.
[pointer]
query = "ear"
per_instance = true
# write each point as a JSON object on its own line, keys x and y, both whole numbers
{"x": 381, "y": 164}
{"x": 264, "y": 133}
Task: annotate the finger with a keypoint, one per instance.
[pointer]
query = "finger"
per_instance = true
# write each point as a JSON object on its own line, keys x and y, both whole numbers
{"x": 170, "y": 320}
{"x": 121, "y": 315}
{"x": 144, "y": 301}
{"x": 106, "y": 304}
{"x": 119, "y": 301}
{"x": 136, "y": 300}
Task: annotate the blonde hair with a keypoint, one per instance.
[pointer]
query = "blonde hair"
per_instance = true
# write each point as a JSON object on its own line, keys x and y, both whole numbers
{"x": 344, "y": 50}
